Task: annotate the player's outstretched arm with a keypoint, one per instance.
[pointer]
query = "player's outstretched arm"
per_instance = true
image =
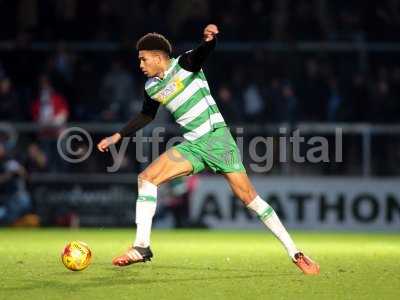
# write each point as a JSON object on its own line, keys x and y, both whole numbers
{"x": 193, "y": 60}
{"x": 148, "y": 113}
{"x": 138, "y": 122}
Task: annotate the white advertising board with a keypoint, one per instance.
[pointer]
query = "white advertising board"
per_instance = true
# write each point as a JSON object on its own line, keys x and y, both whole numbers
{"x": 304, "y": 203}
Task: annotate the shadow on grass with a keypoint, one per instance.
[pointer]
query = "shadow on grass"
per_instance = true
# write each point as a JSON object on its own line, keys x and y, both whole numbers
{"x": 210, "y": 269}
{"x": 130, "y": 276}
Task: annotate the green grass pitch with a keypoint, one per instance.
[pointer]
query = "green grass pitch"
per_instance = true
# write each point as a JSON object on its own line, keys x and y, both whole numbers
{"x": 203, "y": 265}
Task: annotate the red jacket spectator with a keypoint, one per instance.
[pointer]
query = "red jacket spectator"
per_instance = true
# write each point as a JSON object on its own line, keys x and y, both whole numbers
{"x": 59, "y": 110}
{"x": 50, "y": 110}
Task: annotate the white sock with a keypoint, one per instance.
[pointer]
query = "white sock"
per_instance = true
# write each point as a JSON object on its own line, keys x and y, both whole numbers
{"x": 145, "y": 209}
{"x": 268, "y": 216}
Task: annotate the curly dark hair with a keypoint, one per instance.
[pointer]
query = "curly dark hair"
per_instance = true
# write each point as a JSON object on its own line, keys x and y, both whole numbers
{"x": 154, "y": 41}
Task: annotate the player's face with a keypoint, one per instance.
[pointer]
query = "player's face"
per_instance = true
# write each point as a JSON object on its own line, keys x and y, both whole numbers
{"x": 149, "y": 63}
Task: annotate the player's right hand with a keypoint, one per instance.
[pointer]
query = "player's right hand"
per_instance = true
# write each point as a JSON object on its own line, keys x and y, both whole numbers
{"x": 210, "y": 32}
{"x": 108, "y": 141}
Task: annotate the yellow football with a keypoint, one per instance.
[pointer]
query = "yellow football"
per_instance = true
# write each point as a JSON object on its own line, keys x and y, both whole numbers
{"x": 76, "y": 256}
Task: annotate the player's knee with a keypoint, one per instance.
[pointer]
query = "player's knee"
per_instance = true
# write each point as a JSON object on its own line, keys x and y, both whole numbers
{"x": 146, "y": 176}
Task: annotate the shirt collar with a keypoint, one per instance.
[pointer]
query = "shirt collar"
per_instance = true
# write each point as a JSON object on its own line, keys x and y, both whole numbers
{"x": 171, "y": 66}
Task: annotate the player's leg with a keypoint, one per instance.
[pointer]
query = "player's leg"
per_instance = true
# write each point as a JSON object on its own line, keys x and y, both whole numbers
{"x": 244, "y": 190}
{"x": 169, "y": 165}
{"x": 222, "y": 155}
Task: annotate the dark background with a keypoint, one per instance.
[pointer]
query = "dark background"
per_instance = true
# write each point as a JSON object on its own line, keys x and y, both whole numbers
{"x": 320, "y": 65}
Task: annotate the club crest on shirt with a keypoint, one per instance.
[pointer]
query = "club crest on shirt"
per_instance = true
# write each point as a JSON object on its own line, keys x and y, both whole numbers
{"x": 169, "y": 91}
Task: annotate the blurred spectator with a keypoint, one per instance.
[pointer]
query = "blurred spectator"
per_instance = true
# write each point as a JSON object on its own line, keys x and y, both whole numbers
{"x": 382, "y": 108}
{"x": 312, "y": 93}
{"x": 35, "y": 160}
{"x": 86, "y": 84}
{"x": 22, "y": 68}
{"x": 335, "y": 101}
{"x": 14, "y": 198}
{"x": 177, "y": 202}
{"x": 50, "y": 110}
{"x": 288, "y": 106}
{"x": 59, "y": 67}
{"x": 282, "y": 102}
{"x": 228, "y": 105}
{"x": 358, "y": 95}
{"x": 9, "y": 102}
{"x": 63, "y": 62}
{"x": 117, "y": 92}
{"x": 274, "y": 101}
{"x": 254, "y": 105}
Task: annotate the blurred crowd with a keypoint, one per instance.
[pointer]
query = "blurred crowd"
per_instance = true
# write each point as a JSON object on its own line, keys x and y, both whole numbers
{"x": 267, "y": 87}
{"x": 104, "y": 20}
{"x": 53, "y": 86}
{"x": 270, "y": 86}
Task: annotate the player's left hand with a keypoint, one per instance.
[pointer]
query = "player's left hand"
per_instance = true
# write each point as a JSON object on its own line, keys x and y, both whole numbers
{"x": 108, "y": 141}
{"x": 210, "y": 32}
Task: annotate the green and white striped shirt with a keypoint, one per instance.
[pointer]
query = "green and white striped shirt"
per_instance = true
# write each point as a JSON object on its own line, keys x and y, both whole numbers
{"x": 187, "y": 96}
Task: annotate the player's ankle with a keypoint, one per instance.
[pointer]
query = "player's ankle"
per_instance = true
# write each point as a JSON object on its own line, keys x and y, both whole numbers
{"x": 141, "y": 244}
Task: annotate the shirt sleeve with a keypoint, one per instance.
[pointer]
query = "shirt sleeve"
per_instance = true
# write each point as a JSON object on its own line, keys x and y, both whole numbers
{"x": 150, "y": 106}
{"x": 193, "y": 60}
{"x": 149, "y": 111}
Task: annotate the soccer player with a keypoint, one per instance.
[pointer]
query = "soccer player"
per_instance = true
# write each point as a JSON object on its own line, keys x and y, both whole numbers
{"x": 180, "y": 85}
